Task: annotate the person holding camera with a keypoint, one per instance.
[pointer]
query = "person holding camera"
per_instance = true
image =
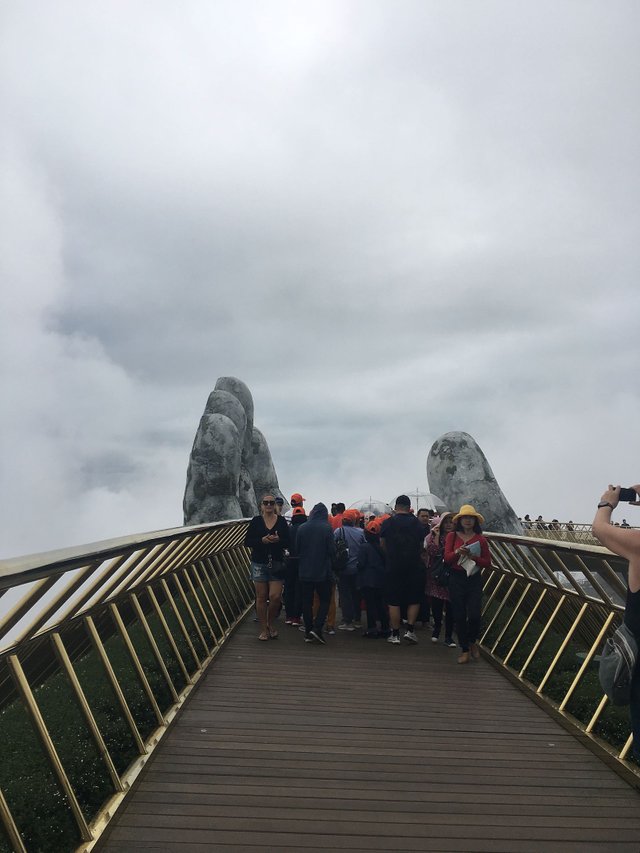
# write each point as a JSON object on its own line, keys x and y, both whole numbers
{"x": 625, "y": 542}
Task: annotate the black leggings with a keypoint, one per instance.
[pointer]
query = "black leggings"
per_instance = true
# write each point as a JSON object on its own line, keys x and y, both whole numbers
{"x": 466, "y": 598}
{"x": 437, "y": 606}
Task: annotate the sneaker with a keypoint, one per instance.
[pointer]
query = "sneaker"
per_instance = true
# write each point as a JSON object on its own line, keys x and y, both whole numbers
{"x": 474, "y": 649}
{"x": 464, "y": 657}
{"x": 317, "y": 635}
{"x": 448, "y": 641}
{"x": 434, "y": 639}
{"x": 346, "y": 627}
{"x": 331, "y": 630}
{"x": 357, "y": 624}
{"x": 296, "y": 623}
{"x": 301, "y": 628}
{"x": 288, "y": 621}
{"x": 410, "y": 637}
{"x": 393, "y": 639}
{"x": 308, "y": 638}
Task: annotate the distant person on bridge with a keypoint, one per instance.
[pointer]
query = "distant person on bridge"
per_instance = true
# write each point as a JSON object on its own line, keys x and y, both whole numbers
{"x": 467, "y": 552}
{"x": 401, "y": 538}
{"x": 372, "y": 574}
{"x": 316, "y": 553}
{"x": 439, "y": 595}
{"x": 335, "y": 519}
{"x": 267, "y": 536}
{"x": 292, "y": 592}
{"x": 348, "y": 578}
{"x": 625, "y": 542}
{"x": 296, "y": 500}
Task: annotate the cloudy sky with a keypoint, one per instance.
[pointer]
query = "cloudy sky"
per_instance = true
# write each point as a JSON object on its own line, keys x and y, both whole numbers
{"x": 390, "y": 219}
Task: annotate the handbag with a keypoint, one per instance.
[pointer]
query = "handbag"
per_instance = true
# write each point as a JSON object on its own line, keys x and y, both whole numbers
{"x": 441, "y": 571}
{"x": 277, "y": 568}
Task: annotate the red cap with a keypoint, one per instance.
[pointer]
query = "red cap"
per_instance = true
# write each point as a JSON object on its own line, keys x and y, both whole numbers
{"x": 298, "y": 510}
{"x": 297, "y": 498}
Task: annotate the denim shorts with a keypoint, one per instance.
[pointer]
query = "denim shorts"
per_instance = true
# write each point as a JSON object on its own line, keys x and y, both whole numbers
{"x": 260, "y": 574}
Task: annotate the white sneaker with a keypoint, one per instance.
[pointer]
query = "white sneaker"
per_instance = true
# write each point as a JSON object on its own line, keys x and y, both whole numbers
{"x": 410, "y": 637}
{"x": 434, "y": 639}
{"x": 345, "y": 627}
{"x": 392, "y": 639}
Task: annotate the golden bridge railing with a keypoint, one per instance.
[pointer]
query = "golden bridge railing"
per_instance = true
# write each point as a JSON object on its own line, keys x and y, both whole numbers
{"x": 548, "y": 608}
{"x": 99, "y": 648}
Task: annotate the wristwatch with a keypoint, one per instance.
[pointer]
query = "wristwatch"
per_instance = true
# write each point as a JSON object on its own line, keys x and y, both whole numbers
{"x": 605, "y": 503}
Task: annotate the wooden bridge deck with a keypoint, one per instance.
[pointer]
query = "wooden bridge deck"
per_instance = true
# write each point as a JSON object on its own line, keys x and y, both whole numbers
{"x": 363, "y": 746}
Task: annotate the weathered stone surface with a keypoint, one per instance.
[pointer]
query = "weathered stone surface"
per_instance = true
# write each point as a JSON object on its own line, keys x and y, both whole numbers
{"x": 246, "y": 494}
{"x": 225, "y": 403}
{"x": 263, "y": 474}
{"x": 214, "y": 472}
{"x": 241, "y": 392}
{"x": 230, "y": 467}
{"x": 458, "y": 471}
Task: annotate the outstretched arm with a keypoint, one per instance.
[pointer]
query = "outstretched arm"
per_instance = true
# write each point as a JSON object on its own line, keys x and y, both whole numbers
{"x": 621, "y": 540}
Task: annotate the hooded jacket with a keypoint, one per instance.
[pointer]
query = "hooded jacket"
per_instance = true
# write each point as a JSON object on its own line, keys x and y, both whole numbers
{"x": 315, "y": 546}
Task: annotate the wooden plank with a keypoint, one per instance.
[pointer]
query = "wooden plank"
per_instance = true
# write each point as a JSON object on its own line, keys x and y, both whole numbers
{"x": 365, "y": 746}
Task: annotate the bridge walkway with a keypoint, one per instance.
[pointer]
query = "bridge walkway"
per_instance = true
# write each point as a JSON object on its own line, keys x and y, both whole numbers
{"x": 363, "y": 746}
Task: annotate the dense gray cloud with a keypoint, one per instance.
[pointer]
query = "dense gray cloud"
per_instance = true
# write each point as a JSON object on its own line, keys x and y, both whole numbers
{"x": 390, "y": 220}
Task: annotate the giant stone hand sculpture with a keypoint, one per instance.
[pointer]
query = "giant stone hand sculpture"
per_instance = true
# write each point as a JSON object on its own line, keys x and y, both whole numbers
{"x": 458, "y": 471}
{"x": 230, "y": 466}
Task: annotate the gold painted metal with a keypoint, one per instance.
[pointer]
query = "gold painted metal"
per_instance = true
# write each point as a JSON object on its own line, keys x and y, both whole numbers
{"x": 203, "y": 584}
{"x": 122, "y": 629}
{"x": 102, "y": 652}
{"x": 524, "y": 628}
{"x": 543, "y": 634}
{"x": 588, "y": 658}
{"x": 523, "y": 595}
{"x": 70, "y": 587}
{"x": 65, "y": 662}
{"x": 625, "y": 749}
{"x": 196, "y": 598}
{"x": 563, "y": 646}
{"x": 596, "y": 716}
{"x": 542, "y": 576}
{"x": 192, "y": 616}
{"x": 169, "y": 635}
{"x": 493, "y": 594}
{"x": 10, "y": 827}
{"x": 211, "y": 576}
{"x": 219, "y": 571}
{"x": 54, "y": 604}
{"x": 154, "y": 646}
{"x": 24, "y": 605}
{"x": 181, "y": 624}
{"x": 225, "y": 583}
{"x": 37, "y": 719}
{"x": 102, "y": 575}
{"x": 500, "y": 608}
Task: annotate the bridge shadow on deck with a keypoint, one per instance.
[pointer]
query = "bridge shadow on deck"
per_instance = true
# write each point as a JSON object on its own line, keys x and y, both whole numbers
{"x": 362, "y": 746}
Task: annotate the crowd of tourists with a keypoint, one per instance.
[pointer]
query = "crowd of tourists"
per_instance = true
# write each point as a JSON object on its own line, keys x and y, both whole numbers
{"x": 399, "y": 568}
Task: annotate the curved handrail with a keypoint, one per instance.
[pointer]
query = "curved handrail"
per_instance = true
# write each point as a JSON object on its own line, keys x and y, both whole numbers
{"x": 121, "y": 630}
{"x": 549, "y": 606}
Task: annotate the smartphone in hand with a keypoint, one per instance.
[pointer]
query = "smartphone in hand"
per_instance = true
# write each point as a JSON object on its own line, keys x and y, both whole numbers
{"x": 628, "y": 495}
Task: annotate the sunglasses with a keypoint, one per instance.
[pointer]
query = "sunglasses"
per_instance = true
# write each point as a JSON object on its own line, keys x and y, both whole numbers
{"x": 269, "y": 503}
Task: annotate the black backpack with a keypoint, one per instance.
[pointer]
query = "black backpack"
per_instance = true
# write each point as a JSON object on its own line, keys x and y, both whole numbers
{"x": 617, "y": 663}
{"x": 342, "y": 552}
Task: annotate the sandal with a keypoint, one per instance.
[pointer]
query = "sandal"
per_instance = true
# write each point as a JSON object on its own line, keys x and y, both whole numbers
{"x": 263, "y": 637}
{"x": 273, "y": 635}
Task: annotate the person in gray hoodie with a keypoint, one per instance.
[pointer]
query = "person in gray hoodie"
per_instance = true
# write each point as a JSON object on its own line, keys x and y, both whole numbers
{"x": 316, "y": 554}
{"x": 348, "y": 578}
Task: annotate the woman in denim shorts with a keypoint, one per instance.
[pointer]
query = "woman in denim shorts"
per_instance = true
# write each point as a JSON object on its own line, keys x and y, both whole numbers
{"x": 267, "y": 536}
